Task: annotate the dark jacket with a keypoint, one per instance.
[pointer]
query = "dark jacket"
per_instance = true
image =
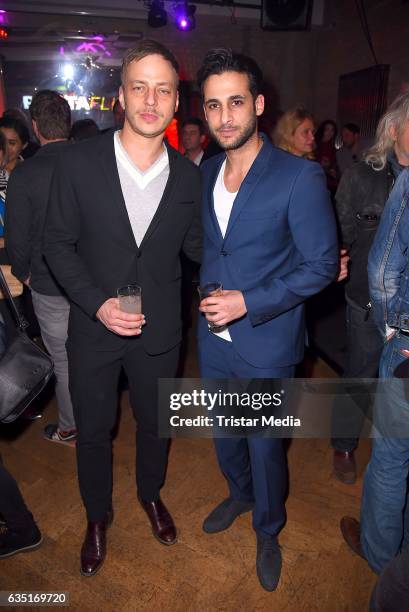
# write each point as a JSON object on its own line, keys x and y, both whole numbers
{"x": 28, "y": 192}
{"x": 91, "y": 249}
{"x": 359, "y": 201}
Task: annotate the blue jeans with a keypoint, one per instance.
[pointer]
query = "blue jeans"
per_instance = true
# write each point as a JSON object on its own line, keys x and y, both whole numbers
{"x": 384, "y": 507}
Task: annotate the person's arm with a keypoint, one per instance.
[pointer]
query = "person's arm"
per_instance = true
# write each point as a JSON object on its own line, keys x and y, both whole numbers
{"x": 18, "y": 220}
{"x": 388, "y": 254}
{"x": 313, "y": 231}
{"x": 192, "y": 244}
{"x": 347, "y": 193}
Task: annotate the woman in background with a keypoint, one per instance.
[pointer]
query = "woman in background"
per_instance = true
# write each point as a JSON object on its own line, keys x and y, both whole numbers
{"x": 17, "y": 136}
{"x": 325, "y": 153}
{"x": 295, "y": 133}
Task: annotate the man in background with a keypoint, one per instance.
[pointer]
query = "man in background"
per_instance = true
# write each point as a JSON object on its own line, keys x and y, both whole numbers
{"x": 193, "y": 136}
{"x": 349, "y": 153}
{"x": 27, "y": 200}
{"x": 360, "y": 199}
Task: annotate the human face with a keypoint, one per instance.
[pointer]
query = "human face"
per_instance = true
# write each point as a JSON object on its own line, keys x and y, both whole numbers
{"x": 348, "y": 138}
{"x": 303, "y": 138}
{"x": 401, "y": 145}
{"x": 191, "y": 137}
{"x": 230, "y": 109}
{"x": 329, "y": 132}
{"x": 149, "y": 96}
{"x": 14, "y": 144}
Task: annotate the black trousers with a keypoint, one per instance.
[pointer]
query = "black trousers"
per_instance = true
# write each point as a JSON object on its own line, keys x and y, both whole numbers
{"x": 12, "y": 506}
{"x": 94, "y": 391}
{"x": 364, "y": 346}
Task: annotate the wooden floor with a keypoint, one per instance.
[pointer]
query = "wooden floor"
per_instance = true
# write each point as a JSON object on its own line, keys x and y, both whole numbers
{"x": 202, "y": 572}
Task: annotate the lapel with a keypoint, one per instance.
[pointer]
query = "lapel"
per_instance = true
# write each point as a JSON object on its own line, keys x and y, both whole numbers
{"x": 210, "y": 199}
{"x": 168, "y": 193}
{"x": 109, "y": 164}
{"x": 250, "y": 181}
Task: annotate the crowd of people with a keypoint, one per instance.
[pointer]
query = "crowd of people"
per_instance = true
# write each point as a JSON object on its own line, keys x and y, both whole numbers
{"x": 90, "y": 212}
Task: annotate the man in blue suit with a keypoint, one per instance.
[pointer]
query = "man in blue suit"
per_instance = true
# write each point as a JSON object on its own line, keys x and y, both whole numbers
{"x": 270, "y": 239}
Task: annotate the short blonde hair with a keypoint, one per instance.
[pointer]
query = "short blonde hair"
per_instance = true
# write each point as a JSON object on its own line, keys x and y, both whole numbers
{"x": 144, "y": 48}
{"x": 286, "y": 126}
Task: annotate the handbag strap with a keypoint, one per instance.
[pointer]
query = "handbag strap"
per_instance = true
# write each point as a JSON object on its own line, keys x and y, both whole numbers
{"x": 21, "y": 322}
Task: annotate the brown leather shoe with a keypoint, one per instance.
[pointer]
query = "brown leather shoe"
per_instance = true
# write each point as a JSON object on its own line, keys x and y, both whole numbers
{"x": 345, "y": 466}
{"x": 351, "y": 531}
{"x": 93, "y": 549}
{"x": 163, "y": 527}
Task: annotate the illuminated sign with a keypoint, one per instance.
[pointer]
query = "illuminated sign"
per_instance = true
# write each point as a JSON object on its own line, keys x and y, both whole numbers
{"x": 78, "y": 103}
{"x": 96, "y": 45}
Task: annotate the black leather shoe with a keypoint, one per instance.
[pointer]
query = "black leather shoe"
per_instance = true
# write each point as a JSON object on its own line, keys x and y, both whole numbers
{"x": 268, "y": 563}
{"x": 225, "y": 514}
{"x": 163, "y": 527}
{"x": 93, "y": 549}
{"x": 345, "y": 466}
{"x": 12, "y": 542}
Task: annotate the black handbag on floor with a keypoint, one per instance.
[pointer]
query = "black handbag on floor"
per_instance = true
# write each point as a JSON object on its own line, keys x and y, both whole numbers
{"x": 25, "y": 369}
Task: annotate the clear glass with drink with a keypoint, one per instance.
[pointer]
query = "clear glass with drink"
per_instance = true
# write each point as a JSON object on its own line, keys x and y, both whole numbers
{"x": 130, "y": 299}
{"x": 212, "y": 288}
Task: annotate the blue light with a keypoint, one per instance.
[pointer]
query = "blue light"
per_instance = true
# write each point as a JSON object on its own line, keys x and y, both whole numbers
{"x": 185, "y": 16}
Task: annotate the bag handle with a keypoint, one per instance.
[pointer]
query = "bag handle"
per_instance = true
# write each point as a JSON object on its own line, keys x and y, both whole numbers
{"x": 21, "y": 322}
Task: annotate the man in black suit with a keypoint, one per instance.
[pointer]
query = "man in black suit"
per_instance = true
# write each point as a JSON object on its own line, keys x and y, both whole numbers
{"x": 27, "y": 199}
{"x": 122, "y": 208}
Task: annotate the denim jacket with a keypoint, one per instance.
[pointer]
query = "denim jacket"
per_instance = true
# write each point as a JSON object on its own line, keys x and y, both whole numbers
{"x": 388, "y": 263}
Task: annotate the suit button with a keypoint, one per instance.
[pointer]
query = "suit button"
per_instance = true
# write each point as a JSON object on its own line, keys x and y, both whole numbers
{"x": 139, "y": 254}
{"x": 224, "y": 253}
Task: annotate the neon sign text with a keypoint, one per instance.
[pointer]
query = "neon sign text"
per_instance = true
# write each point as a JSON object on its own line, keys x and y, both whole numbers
{"x": 77, "y": 103}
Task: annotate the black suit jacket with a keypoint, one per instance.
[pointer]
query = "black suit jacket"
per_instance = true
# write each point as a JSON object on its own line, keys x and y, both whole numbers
{"x": 90, "y": 247}
{"x": 28, "y": 192}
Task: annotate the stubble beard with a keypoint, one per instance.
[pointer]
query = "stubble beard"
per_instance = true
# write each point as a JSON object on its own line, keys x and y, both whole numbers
{"x": 248, "y": 131}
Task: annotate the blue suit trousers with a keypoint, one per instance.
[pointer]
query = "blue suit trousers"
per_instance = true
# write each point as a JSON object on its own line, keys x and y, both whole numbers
{"x": 254, "y": 467}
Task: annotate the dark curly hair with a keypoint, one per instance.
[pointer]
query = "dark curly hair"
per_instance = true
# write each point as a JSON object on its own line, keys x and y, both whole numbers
{"x": 17, "y": 125}
{"x": 222, "y": 60}
{"x": 319, "y": 134}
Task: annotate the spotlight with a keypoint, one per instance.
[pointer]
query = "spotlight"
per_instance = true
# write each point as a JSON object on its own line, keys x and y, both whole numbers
{"x": 157, "y": 16}
{"x": 4, "y": 33}
{"x": 185, "y": 16}
{"x": 68, "y": 71}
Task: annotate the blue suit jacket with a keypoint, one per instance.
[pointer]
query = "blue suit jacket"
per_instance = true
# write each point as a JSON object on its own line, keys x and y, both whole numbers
{"x": 279, "y": 249}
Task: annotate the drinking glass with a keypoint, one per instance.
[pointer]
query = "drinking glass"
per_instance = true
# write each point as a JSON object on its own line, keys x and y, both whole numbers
{"x": 212, "y": 288}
